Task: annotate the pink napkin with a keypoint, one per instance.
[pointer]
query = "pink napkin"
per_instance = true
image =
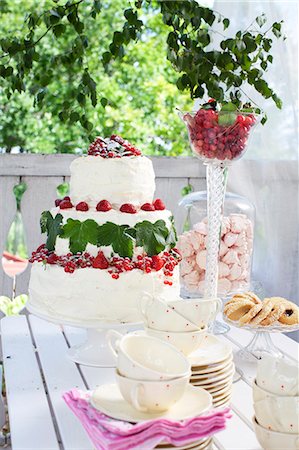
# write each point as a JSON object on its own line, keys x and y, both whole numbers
{"x": 111, "y": 434}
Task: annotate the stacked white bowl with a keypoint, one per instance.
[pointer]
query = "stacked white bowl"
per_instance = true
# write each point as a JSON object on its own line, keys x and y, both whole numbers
{"x": 182, "y": 323}
{"x": 276, "y": 404}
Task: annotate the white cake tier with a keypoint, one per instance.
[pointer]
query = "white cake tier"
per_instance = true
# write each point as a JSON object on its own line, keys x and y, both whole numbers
{"x": 118, "y": 180}
{"x": 92, "y": 294}
{"x": 114, "y": 216}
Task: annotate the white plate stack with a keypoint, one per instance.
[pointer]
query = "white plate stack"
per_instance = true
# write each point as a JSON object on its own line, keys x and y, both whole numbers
{"x": 276, "y": 404}
{"x": 203, "y": 444}
{"x": 213, "y": 369}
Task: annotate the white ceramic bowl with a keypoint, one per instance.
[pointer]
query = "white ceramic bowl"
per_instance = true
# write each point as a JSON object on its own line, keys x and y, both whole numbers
{"x": 152, "y": 395}
{"x": 159, "y": 315}
{"x": 278, "y": 375}
{"x": 145, "y": 357}
{"x": 202, "y": 311}
{"x": 185, "y": 342}
{"x": 272, "y": 440}
{"x": 276, "y": 412}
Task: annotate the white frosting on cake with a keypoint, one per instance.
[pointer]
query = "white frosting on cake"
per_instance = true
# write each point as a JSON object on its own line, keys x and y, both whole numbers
{"x": 92, "y": 294}
{"x": 114, "y": 216}
{"x": 129, "y": 179}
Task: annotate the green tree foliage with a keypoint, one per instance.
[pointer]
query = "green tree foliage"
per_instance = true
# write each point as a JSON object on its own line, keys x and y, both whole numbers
{"x": 71, "y": 70}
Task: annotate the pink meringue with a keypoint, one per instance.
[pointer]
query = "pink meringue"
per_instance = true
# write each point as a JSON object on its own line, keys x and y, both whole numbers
{"x": 234, "y": 272}
{"x": 201, "y": 259}
{"x": 234, "y": 254}
{"x": 185, "y": 246}
{"x": 201, "y": 227}
{"x": 238, "y": 223}
{"x": 223, "y": 249}
{"x": 192, "y": 278}
{"x": 230, "y": 239}
{"x": 231, "y": 257}
{"x": 223, "y": 270}
{"x": 187, "y": 265}
{"x": 224, "y": 285}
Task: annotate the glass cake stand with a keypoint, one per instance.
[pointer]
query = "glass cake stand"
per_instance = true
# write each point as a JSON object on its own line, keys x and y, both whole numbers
{"x": 94, "y": 351}
{"x": 261, "y": 344}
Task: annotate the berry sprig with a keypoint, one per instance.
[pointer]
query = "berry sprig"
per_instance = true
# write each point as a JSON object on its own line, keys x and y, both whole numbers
{"x": 115, "y": 147}
{"x": 166, "y": 261}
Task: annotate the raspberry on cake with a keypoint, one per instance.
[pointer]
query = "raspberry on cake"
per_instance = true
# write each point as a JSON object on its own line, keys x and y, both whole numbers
{"x": 95, "y": 266}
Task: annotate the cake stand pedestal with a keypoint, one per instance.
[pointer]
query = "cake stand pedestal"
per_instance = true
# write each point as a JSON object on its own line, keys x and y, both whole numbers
{"x": 261, "y": 343}
{"x": 94, "y": 351}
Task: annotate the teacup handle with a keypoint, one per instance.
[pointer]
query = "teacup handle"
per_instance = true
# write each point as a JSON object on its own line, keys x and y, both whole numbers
{"x": 218, "y": 307}
{"x": 135, "y": 398}
{"x": 143, "y": 303}
{"x": 217, "y": 310}
{"x": 113, "y": 337}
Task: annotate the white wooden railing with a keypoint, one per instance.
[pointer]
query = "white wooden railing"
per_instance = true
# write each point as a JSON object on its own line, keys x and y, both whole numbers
{"x": 273, "y": 189}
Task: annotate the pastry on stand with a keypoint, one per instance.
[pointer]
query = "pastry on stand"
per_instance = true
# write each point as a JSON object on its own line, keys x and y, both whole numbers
{"x": 271, "y": 315}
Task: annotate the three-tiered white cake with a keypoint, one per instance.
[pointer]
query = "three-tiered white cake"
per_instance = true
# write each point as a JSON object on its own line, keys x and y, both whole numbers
{"x": 106, "y": 243}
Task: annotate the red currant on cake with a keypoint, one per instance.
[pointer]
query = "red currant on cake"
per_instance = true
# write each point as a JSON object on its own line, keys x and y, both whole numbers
{"x": 58, "y": 201}
{"x": 100, "y": 262}
{"x": 148, "y": 207}
{"x": 128, "y": 208}
{"x": 82, "y": 206}
{"x": 159, "y": 205}
{"x": 65, "y": 204}
{"x": 52, "y": 259}
{"x": 104, "y": 206}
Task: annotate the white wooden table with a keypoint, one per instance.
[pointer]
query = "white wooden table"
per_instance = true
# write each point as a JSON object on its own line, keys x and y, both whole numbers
{"x": 37, "y": 373}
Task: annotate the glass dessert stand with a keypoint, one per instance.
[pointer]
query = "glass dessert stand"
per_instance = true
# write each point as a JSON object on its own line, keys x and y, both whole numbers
{"x": 94, "y": 351}
{"x": 261, "y": 344}
{"x": 218, "y": 139}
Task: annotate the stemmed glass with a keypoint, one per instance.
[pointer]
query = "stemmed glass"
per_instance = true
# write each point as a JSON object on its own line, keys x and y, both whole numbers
{"x": 14, "y": 257}
{"x": 218, "y": 139}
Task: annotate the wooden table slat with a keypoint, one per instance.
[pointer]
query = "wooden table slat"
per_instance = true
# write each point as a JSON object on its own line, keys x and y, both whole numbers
{"x": 25, "y": 372}
{"x": 61, "y": 374}
{"x": 93, "y": 376}
{"x": 237, "y": 436}
{"x": 30, "y": 418}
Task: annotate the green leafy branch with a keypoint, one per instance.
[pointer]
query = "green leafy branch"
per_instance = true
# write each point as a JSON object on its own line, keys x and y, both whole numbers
{"x": 153, "y": 237}
{"x": 29, "y": 65}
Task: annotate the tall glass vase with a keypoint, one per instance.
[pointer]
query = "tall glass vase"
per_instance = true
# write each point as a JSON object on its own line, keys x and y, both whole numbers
{"x": 217, "y": 138}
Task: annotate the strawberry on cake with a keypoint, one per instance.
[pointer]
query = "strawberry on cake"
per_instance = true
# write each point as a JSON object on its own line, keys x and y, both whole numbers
{"x": 107, "y": 242}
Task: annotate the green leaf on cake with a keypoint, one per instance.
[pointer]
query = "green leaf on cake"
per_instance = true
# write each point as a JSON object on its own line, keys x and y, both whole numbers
{"x": 172, "y": 236}
{"x": 118, "y": 236}
{"x": 52, "y": 226}
{"x": 80, "y": 234}
{"x": 152, "y": 236}
{"x": 43, "y": 220}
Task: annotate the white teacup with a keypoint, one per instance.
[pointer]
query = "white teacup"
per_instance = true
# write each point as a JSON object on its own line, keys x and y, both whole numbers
{"x": 159, "y": 315}
{"x": 152, "y": 395}
{"x": 278, "y": 413}
{"x": 202, "y": 311}
{"x": 273, "y": 440}
{"x": 278, "y": 375}
{"x": 147, "y": 358}
{"x": 185, "y": 342}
